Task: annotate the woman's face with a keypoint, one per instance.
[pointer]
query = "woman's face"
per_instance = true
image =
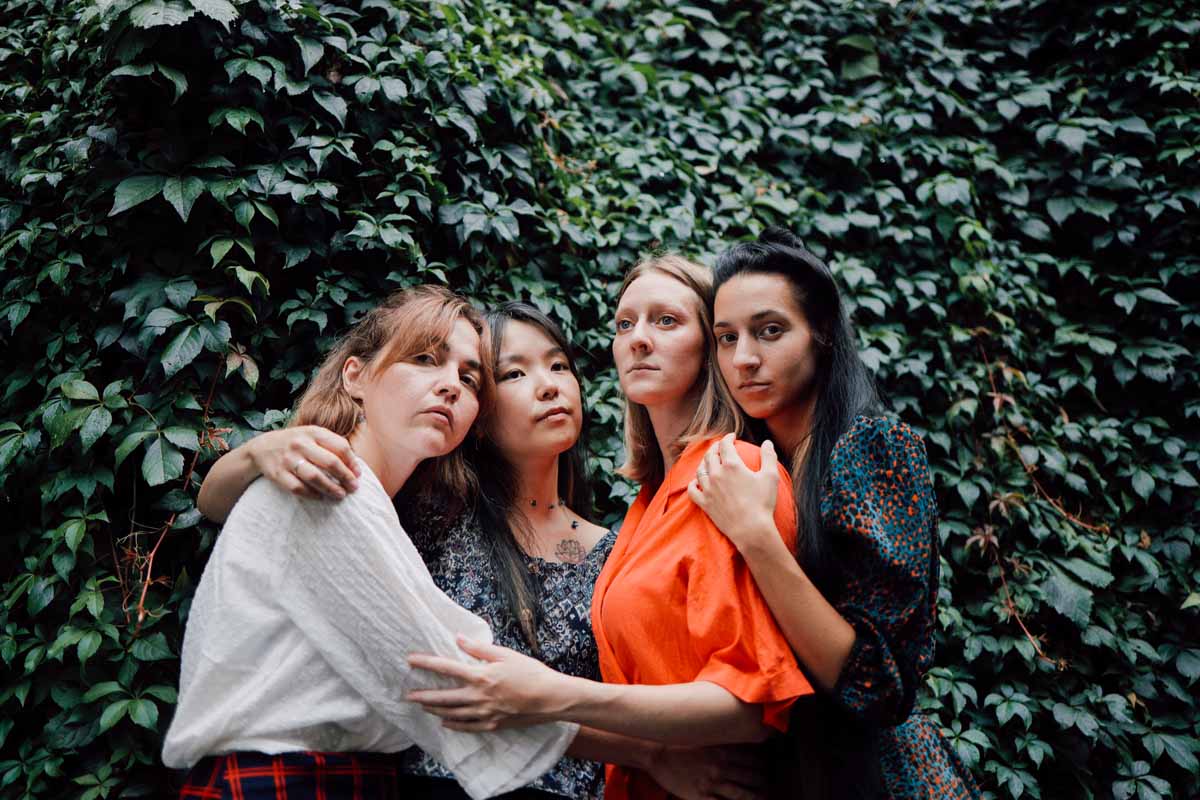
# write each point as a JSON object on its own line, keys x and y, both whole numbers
{"x": 425, "y": 405}
{"x": 659, "y": 342}
{"x": 538, "y": 408}
{"x": 765, "y": 347}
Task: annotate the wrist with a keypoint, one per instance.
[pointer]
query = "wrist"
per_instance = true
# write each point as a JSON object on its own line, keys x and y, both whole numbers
{"x": 756, "y": 533}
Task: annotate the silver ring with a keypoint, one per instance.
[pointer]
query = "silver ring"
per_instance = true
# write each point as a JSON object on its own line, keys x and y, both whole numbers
{"x": 296, "y": 467}
{"x": 702, "y": 473}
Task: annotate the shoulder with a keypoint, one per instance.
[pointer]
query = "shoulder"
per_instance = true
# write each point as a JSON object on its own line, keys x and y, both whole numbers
{"x": 879, "y": 443}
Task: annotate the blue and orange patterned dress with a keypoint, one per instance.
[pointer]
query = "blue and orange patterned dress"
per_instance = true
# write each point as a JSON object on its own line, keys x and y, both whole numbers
{"x": 879, "y": 511}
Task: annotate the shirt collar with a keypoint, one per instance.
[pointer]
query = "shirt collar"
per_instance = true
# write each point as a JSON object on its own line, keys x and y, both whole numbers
{"x": 684, "y": 470}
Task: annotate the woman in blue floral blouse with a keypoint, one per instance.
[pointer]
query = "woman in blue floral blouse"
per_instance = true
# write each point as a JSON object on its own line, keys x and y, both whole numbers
{"x": 857, "y": 599}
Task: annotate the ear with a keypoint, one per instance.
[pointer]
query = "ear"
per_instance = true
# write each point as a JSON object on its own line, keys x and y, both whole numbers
{"x": 354, "y": 377}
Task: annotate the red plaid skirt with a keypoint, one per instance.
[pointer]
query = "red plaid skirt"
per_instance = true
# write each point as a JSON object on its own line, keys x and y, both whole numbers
{"x": 293, "y": 776}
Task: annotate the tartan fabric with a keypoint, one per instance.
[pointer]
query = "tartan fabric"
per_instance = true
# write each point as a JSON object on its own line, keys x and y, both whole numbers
{"x": 293, "y": 776}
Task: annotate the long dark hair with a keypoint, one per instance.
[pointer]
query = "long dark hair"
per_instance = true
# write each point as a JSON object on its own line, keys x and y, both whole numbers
{"x": 496, "y": 510}
{"x": 844, "y": 386}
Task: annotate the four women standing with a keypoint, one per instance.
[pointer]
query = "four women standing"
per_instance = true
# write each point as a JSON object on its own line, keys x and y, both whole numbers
{"x": 707, "y": 626}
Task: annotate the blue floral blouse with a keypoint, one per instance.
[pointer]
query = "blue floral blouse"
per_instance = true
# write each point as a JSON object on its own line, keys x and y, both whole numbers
{"x": 457, "y": 556}
{"x": 879, "y": 510}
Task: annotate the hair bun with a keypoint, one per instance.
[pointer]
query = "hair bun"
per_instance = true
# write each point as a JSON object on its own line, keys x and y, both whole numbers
{"x": 774, "y": 234}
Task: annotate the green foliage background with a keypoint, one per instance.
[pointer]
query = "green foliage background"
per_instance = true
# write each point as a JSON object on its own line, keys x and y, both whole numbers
{"x": 198, "y": 196}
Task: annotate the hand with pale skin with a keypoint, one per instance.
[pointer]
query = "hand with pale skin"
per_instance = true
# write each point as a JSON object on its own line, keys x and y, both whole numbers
{"x": 509, "y": 689}
{"x": 307, "y": 461}
{"x": 740, "y": 501}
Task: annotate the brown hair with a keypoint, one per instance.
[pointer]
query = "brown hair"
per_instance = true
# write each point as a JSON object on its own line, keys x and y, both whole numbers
{"x": 715, "y": 415}
{"x": 409, "y": 322}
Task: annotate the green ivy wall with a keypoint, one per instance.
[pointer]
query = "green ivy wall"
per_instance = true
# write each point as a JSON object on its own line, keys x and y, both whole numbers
{"x": 197, "y": 196}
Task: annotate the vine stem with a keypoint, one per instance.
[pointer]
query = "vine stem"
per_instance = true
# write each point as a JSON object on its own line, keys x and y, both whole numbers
{"x": 1029, "y": 468}
{"x": 170, "y": 523}
{"x": 1009, "y": 605}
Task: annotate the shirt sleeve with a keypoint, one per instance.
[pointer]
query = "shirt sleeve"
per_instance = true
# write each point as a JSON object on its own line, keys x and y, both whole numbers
{"x": 880, "y": 511}
{"x": 358, "y": 590}
{"x": 729, "y": 622}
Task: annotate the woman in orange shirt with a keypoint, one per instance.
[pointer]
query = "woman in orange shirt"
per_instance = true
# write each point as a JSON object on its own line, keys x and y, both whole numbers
{"x": 689, "y": 651}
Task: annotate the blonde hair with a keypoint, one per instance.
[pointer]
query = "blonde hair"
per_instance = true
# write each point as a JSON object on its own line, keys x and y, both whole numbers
{"x": 409, "y": 322}
{"x": 715, "y": 414}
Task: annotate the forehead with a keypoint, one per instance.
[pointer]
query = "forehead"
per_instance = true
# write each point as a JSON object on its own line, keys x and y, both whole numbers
{"x": 750, "y": 293}
{"x": 524, "y": 339}
{"x": 463, "y": 341}
{"x": 657, "y": 287}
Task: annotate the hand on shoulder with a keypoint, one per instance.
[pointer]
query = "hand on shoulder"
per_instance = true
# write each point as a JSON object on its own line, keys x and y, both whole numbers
{"x": 737, "y": 485}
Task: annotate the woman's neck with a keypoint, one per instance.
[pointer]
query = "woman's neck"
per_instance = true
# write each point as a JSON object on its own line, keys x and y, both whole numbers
{"x": 393, "y": 468}
{"x": 669, "y": 422}
{"x": 791, "y": 427}
{"x": 537, "y": 481}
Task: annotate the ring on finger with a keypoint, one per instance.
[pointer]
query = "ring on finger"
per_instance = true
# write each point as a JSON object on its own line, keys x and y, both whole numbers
{"x": 701, "y": 473}
{"x": 300, "y": 462}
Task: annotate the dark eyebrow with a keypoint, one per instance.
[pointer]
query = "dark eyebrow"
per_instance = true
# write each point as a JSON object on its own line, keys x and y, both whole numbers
{"x": 554, "y": 351}
{"x": 770, "y": 312}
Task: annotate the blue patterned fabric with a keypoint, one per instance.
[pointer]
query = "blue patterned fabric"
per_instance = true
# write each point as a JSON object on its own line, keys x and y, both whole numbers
{"x": 879, "y": 509}
{"x": 457, "y": 557}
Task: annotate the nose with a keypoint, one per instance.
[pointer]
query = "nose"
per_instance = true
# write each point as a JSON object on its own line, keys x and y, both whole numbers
{"x": 744, "y": 356}
{"x": 547, "y": 388}
{"x": 639, "y": 339}
{"x": 448, "y": 387}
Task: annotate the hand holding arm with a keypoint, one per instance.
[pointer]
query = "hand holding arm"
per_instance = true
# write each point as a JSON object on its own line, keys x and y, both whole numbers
{"x": 308, "y": 461}
{"x": 741, "y": 502}
{"x": 514, "y": 689}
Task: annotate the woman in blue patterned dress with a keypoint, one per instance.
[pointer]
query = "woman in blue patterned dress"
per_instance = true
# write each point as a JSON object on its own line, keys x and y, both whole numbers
{"x": 858, "y": 597}
{"x": 521, "y": 556}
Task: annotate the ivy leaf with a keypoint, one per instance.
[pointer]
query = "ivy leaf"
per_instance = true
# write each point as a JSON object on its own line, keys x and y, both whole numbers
{"x": 220, "y": 10}
{"x": 474, "y": 98}
{"x": 1157, "y": 296}
{"x": 97, "y": 422}
{"x": 144, "y": 712}
{"x": 394, "y": 89}
{"x": 178, "y": 80}
{"x": 158, "y": 13}
{"x": 135, "y": 191}
{"x": 1068, "y": 598}
{"x": 182, "y": 194}
{"x": 1087, "y": 572}
{"x": 1143, "y": 483}
{"x": 129, "y": 444}
{"x": 334, "y": 104}
{"x": 161, "y": 463}
{"x": 113, "y": 713}
{"x": 311, "y": 52}
{"x": 89, "y": 643}
{"x": 182, "y": 350}
{"x": 1060, "y": 208}
{"x": 80, "y": 390}
{"x": 99, "y": 690}
{"x": 151, "y": 648}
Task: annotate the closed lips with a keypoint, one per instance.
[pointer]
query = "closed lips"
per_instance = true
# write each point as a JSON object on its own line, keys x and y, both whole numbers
{"x": 445, "y": 413}
{"x": 552, "y": 412}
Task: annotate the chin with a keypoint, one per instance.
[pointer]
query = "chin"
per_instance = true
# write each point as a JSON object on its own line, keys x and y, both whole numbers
{"x": 757, "y": 409}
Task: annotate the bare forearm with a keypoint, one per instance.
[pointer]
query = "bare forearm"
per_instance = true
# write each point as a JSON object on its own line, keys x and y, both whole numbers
{"x": 592, "y": 744}
{"x": 226, "y": 482}
{"x": 698, "y": 713}
{"x": 817, "y": 633}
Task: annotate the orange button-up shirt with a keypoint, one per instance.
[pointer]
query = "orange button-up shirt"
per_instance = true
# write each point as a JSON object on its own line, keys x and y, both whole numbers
{"x": 676, "y": 603}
